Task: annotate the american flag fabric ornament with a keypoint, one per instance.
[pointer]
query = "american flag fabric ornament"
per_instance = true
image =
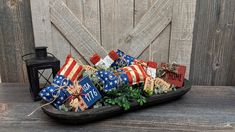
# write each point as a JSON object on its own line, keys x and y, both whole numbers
{"x": 110, "y": 58}
{"x": 53, "y": 92}
{"x": 71, "y": 69}
{"x": 88, "y": 94}
{"x": 68, "y": 73}
{"x": 108, "y": 79}
{"x": 97, "y": 60}
{"x": 125, "y": 60}
{"x": 107, "y": 61}
{"x": 129, "y": 75}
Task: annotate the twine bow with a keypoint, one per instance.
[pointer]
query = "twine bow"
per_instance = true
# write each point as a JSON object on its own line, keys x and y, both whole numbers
{"x": 55, "y": 96}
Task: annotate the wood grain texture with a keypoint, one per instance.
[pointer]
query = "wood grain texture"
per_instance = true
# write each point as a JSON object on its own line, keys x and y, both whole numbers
{"x": 74, "y": 31}
{"x": 213, "y": 56}
{"x": 16, "y": 39}
{"x": 116, "y": 20}
{"x": 199, "y": 110}
{"x": 158, "y": 50}
{"x": 150, "y": 26}
{"x": 41, "y": 23}
{"x": 88, "y": 12}
{"x": 45, "y": 33}
{"x": 59, "y": 42}
{"x": 141, "y": 7}
{"x": 182, "y": 32}
{"x": 160, "y": 46}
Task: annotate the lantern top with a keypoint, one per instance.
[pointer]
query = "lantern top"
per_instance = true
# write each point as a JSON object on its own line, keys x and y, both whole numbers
{"x": 41, "y": 57}
{"x": 41, "y": 52}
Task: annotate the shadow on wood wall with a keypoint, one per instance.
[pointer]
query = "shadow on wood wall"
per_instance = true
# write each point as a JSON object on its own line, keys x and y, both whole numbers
{"x": 212, "y": 58}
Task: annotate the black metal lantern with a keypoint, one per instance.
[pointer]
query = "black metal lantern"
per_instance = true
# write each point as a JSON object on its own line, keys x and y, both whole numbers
{"x": 36, "y": 66}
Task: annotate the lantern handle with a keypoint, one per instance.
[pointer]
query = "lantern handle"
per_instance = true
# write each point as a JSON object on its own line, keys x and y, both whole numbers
{"x": 51, "y": 54}
{"x": 23, "y": 56}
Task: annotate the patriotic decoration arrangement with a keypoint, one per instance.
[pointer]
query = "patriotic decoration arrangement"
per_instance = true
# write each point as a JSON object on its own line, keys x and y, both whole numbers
{"x": 116, "y": 79}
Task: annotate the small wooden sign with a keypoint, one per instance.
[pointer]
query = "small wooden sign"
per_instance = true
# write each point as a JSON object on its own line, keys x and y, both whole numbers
{"x": 149, "y": 85}
{"x": 163, "y": 84}
{"x": 174, "y": 74}
{"x": 90, "y": 94}
{"x": 87, "y": 95}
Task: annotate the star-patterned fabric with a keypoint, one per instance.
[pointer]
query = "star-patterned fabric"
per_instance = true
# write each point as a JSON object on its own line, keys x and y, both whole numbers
{"x": 109, "y": 80}
{"x": 124, "y": 59}
{"x": 68, "y": 73}
{"x": 51, "y": 92}
{"x": 131, "y": 75}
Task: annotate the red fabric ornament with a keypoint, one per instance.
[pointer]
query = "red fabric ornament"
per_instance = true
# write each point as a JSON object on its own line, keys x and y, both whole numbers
{"x": 174, "y": 74}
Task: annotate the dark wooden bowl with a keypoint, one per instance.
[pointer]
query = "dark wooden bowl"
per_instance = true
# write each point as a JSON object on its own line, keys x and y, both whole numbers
{"x": 108, "y": 111}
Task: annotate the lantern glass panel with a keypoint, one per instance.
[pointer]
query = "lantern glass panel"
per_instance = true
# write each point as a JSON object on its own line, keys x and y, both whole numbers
{"x": 45, "y": 77}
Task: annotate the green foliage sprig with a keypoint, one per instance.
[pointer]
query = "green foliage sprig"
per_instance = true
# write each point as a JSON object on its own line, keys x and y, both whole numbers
{"x": 123, "y": 97}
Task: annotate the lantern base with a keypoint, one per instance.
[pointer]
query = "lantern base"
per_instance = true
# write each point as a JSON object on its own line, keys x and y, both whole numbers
{"x": 34, "y": 97}
{"x": 37, "y": 98}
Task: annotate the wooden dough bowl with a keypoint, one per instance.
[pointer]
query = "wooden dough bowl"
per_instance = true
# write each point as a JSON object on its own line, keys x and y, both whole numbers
{"x": 91, "y": 115}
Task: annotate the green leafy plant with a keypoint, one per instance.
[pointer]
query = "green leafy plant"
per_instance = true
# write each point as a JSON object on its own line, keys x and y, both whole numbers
{"x": 124, "y": 96}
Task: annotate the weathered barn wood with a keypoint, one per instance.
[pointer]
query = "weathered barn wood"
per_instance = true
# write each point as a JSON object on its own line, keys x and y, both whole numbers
{"x": 47, "y": 34}
{"x": 158, "y": 49}
{"x": 88, "y": 12}
{"x": 110, "y": 21}
{"x": 150, "y": 26}
{"x": 129, "y": 25}
{"x": 116, "y": 20}
{"x": 182, "y": 32}
{"x": 76, "y": 33}
{"x": 16, "y": 39}
{"x": 213, "y": 55}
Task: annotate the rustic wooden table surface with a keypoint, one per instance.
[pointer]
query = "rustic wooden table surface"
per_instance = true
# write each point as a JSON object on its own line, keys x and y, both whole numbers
{"x": 204, "y": 108}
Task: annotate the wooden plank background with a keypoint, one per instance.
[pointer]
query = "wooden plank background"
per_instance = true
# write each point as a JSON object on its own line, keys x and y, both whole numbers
{"x": 213, "y": 56}
{"x": 108, "y": 21}
{"x": 119, "y": 24}
{"x": 16, "y": 39}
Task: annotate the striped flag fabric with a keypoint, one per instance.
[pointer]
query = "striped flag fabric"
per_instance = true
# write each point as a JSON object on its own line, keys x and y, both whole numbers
{"x": 71, "y": 69}
{"x": 135, "y": 74}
